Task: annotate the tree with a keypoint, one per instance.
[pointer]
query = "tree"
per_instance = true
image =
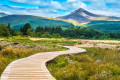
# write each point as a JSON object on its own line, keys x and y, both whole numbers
{"x": 25, "y": 28}
{"x": 8, "y": 26}
{"x": 30, "y": 32}
{"x": 46, "y": 29}
{"x": 58, "y": 30}
{"x": 46, "y": 35}
{"x": 39, "y": 29}
{"x": 4, "y": 30}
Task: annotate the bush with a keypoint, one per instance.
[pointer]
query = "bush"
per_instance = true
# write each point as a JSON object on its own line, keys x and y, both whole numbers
{"x": 0, "y": 48}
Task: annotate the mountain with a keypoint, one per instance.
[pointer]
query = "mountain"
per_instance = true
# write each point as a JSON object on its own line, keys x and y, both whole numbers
{"x": 82, "y": 15}
{"x": 18, "y": 21}
{"x": 2, "y": 14}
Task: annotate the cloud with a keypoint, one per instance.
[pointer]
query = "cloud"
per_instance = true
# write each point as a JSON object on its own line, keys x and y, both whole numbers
{"x": 75, "y": 4}
{"x": 53, "y": 4}
{"x": 35, "y": 2}
{"x": 47, "y": 8}
{"x": 28, "y": 11}
{"x": 54, "y": 8}
{"x": 72, "y": 0}
{"x": 112, "y": 1}
{"x": 107, "y": 13}
{"x": 56, "y": 5}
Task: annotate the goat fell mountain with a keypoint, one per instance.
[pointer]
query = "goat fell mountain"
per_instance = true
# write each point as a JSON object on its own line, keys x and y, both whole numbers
{"x": 81, "y": 15}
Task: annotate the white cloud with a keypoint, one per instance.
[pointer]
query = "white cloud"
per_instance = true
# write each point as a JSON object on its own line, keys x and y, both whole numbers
{"x": 112, "y": 1}
{"x": 74, "y": 4}
{"x": 78, "y": 5}
{"x": 56, "y": 5}
{"x": 35, "y": 2}
{"x": 29, "y": 11}
{"x": 19, "y": 1}
{"x": 71, "y": 0}
{"x": 50, "y": 8}
{"x": 107, "y": 13}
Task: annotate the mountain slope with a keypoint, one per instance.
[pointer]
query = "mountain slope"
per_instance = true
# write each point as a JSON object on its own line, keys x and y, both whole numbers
{"x": 105, "y": 26}
{"x": 19, "y": 20}
{"x": 82, "y": 15}
{"x": 2, "y": 14}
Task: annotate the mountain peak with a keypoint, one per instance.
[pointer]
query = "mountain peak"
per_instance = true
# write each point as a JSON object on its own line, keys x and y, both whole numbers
{"x": 79, "y": 15}
{"x": 80, "y": 10}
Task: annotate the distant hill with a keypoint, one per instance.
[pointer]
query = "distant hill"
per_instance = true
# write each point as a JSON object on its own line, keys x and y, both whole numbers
{"x": 82, "y": 15}
{"x": 3, "y": 14}
{"x": 105, "y": 26}
{"x": 18, "y": 21}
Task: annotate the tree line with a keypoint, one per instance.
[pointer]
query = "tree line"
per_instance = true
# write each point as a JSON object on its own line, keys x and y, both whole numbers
{"x": 40, "y": 31}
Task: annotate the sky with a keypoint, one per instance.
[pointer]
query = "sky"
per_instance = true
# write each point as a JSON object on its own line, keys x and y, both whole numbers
{"x": 55, "y": 8}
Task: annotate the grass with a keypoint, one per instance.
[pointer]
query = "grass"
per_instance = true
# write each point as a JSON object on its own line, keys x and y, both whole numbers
{"x": 46, "y": 41}
{"x": 9, "y": 54}
{"x": 95, "y": 64}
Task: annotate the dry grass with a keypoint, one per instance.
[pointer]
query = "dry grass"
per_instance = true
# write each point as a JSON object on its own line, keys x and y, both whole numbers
{"x": 9, "y": 54}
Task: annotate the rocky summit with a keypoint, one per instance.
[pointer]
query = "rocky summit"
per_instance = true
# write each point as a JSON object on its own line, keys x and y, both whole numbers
{"x": 81, "y": 15}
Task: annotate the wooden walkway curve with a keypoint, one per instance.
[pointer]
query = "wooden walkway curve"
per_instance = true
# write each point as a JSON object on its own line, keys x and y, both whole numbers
{"x": 34, "y": 67}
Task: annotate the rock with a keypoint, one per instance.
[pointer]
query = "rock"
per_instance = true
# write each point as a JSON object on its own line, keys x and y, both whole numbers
{"x": 28, "y": 46}
{"x": 40, "y": 47}
{"x": 119, "y": 49}
{"x": 16, "y": 43}
{"x": 98, "y": 61}
{"x": 21, "y": 46}
{"x": 0, "y": 48}
{"x": 2, "y": 43}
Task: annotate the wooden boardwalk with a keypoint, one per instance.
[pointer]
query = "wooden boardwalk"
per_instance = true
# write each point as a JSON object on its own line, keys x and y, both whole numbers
{"x": 34, "y": 67}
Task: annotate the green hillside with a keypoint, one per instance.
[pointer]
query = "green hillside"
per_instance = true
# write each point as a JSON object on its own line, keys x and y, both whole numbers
{"x": 105, "y": 26}
{"x": 19, "y": 20}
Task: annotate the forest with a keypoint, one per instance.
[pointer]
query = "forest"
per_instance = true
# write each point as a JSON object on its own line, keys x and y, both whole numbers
{"x": 56, "y": 32}
{"x": 105, "y": 26}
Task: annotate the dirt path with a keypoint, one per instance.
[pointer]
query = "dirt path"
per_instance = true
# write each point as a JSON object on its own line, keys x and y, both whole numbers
{"x": 102, "y": 41}
{"x": 99, "y": 43}
{"x": 34, "y": 67}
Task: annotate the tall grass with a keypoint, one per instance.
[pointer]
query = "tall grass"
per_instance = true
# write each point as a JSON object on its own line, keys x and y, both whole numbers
{"x": 10, "y": 54}
{"x": 95, "y": 64}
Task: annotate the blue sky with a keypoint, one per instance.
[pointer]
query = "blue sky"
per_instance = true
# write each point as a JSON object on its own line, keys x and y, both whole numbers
{"x": 54, "y": 8}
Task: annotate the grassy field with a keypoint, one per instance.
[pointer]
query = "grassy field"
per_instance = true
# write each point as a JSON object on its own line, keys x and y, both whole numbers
{"x": 14, "y": 48}
{"x": 95, "y": 64}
